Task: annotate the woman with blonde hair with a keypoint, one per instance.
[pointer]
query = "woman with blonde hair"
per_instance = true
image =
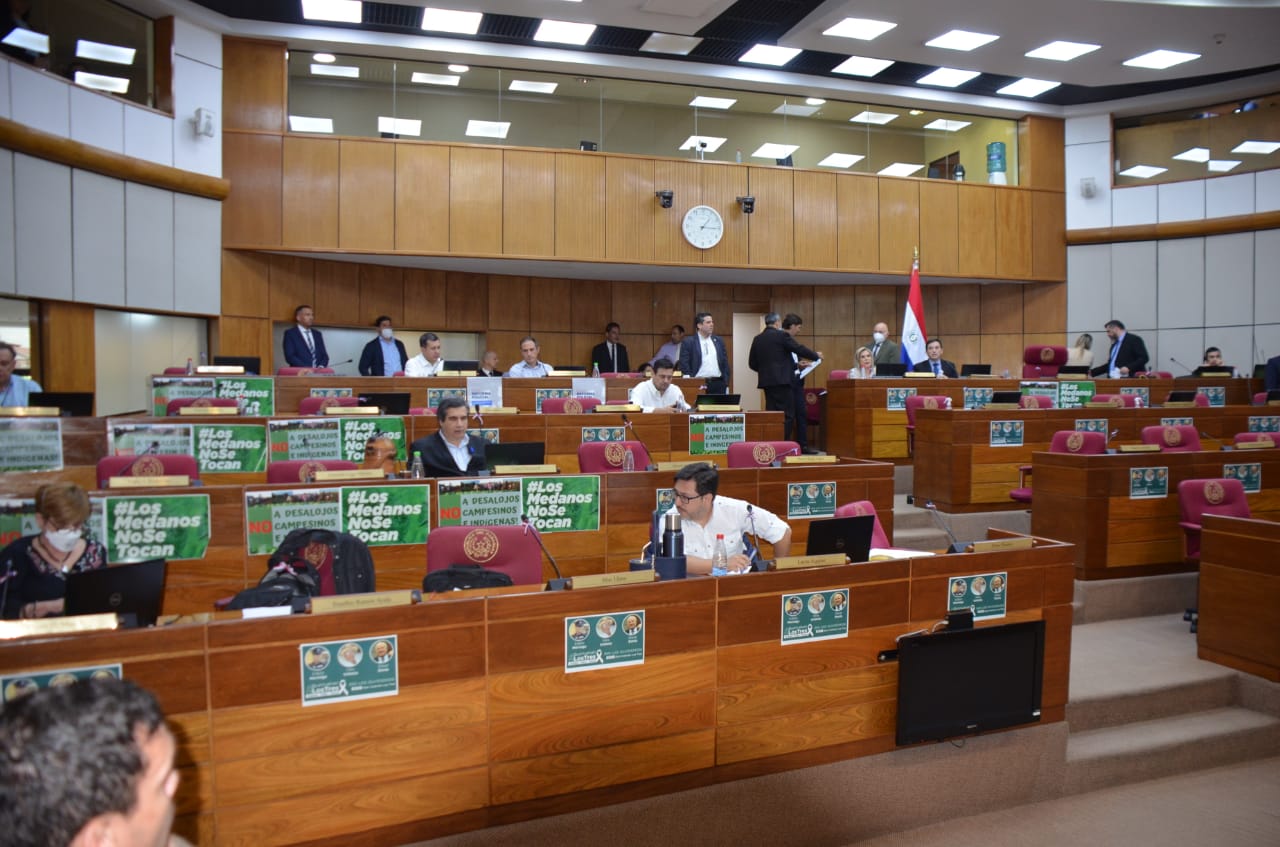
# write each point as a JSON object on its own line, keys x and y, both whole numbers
{"x": 1082, "y": 352}
{"x": 34, "y": 568}
{"x": 864, "y": 366}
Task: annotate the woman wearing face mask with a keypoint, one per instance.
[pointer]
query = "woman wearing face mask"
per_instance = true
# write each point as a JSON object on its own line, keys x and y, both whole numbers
{"x": 34, "y": 568}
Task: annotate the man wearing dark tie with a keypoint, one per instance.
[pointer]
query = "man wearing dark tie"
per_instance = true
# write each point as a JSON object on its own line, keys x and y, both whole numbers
{"x": 304, "y": 346}
{"x": 702, "y": 355}
{"x": 1128, "y": 353}
{"x": 883, "y": 351}
{"x": 935, "y": 364}
{"x": 609, "y": 355}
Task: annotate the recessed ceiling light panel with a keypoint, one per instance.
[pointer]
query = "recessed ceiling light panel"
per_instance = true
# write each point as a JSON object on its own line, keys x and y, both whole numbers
{"x": 769, "y": 54}
{"x": 99, "y": 82}
{"x": 104, "y": 52}
{"x": 841, "y": 160}
{"x": 1221, "y": 166}
{"x": 458, "y": 69}
{"x": 1062, "y": 51}
{"x": 324, "y": 58}
{"x": 769, "y": 150}
{"x": 488, "y": 129}
{"x": 675, "y": 45}
{"x": 861, "y": 66}
{"x": 795, "y": 110}
{"x": 1195, "y": 154}
{"x": 347, "y": 71}
{"x": 25, "y": 39}
{"x": 947, "y": 77}
{"x": 399, "y": 126}
{"x": 869, "y": 117}
{"x": 960, "y": 39}
{"x": 1161, "y": 59}
{"x": 1259, "y": 148}
{"x": 713, "y": 143}
{"x": 814, "y": 101}
{"x": 299, "y": 123}
{"x": 863, "y": 29}
{"x": 564, "y": 32}
{"x": 451, "y": 20}
{"x": 435, "y": 79}
{"x": 1028, "y": 87}
{"x": 1143, "y": 171}
{"x": 701, "y": 102}
{"x": 946, "y": 125}
{"x": 899, "y": 169}
{"x": 533, "y": 87}
{"x": 342, "y": 11}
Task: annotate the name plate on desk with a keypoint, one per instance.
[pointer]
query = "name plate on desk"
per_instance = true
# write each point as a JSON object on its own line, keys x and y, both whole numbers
{"x": 1177, "y": 404}
{"x": 357, "y": 473}
{"x": 173, "y": 481}
{"x": 497, "y": 410}
{"x": 618, "y": 407}
{"x": 810, "y": 460}
{"x": 676, "y": 465}
{"x": 1139, "y": 448}
{"x": 997, "y": 544}
{"x": 58, "y": 626}
{"x": 599, "y": 580}
{"x": 710, "y": 409}
{"x": 524, "y": 470}
{"x": 352, "y": 410}
{"x": 220, "y": 369}
{"x": 29, "y": 411}
{"x": 354, "y": 602}
{"x": 1002, "y": 407}
{"x": 824, "y": 560}
{"x": 209, "y": 410}
{"x": 1261, "y": 444}
{"x": 919, "y": 375}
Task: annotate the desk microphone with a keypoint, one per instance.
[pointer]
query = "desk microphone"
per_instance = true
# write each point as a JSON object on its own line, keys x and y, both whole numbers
{"x": 1179, "y": 364}
{"x": 626, "y": 422}
{"x": 150, "y": 451}
{"x": 1221, "y": 444}
{"x": 755, "y": 540}
{"x": 1112, "y": 434}
{"x": 956, "y": 546}
{"x": 6, "y": 579}
{"x": 559, "y": 583}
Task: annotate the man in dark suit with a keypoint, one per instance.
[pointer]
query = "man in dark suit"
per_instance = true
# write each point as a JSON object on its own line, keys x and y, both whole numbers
{"x": 304, "y": 346}
{"x": 695, "y": 358}
{"x": 1128, "y": 353}
{"x": 451, "y": 452}
{"x": 771, "y": 359}
{"x": 1272, "y": 374}
{"x": 883, "y": 351}
{"x": 935, "y": 364}
{"x": 384, "y": 355}
{"x": 610, "y": 356}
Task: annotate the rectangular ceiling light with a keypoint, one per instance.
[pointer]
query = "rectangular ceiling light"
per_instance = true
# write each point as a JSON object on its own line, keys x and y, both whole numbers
{"x": 98, "y": 82}
{"x": 1028, "y": 87}
{"x": 841, "y": 160}
{"x": 342, "y": 11}
{"x": 298, "y": 123}
{"x": 25, "y": 39}
{"x": 861, "y": 66}
{"x": 1195, "y": 154}
{"x": 1221, "y": 166}
{"x": 532, "y": 87}
{"x": 399, "y": 126}
{"x": 435, "y": 79}
{"x": 863, "y": 29}
{"x": 451, "y": 20}
{"x": 1262, "y": 148}
{"x": 899, "y": 169}
{"x": 960, "y": 39}
{"x": 1062, "y": 51}
{"x": 1160, "y": 59}
{"x": 564, "y": 32}
{"x": 869, "y": 117}
{"x": 948, "y": 126}
{"x": 713, "y": 143}
{"x": 1143, "y": 171}
{"x": 769, "y": 54}
{"x": 675, "y": 45}
{"x": 488, "y": 129}
{"x": 104, "y": 52}
{"x": 769, "y": 150}
{"x": 348, "y": 71}
{"x": 947, "y": 77}
{"x": 701, "y": 102}
{"x": 796, "y": 110}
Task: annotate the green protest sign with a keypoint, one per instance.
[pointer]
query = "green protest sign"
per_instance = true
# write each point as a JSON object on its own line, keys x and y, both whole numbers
{"x": 1006, "y": 434}
{"x": 1264, "y": 423}
{"x": 166, "y": 388}
{"x": 896, "y": 398}
{"x": 305, "y": 438}
{"x": 30, "y": 444}
{"x": 987, "y": 594}
{"x": 17, "y": 518}
{"x": 815, "y": 616}
{"x": 1035, "y": 388}
{"x": 603, "y": 433}
{"x": 384, "y": 515}
{"x": 1075, "y": 394}
{"x": 540, "y": 394}
{"x": 271, "y": 515}
{"x": 1249, "y": 474}
{"x": 174, "y": 526}
{"x": 1148, "y": 483}
{"x": 712, "y": 434}
{"x": 18, "y": 685}
{"x": 562, "y": 503}
{"x": 256, "y": 394}
{"x": 356, "y": 432}
{"x": 133, "y": 439}
{"x": 1091, "y": 425}
{"x": 231, "y": 448}
{"x": 976, "y": 398}
{"x": 490, "y": 501}
{"x": 612, "y": 640}
{"x": 811, "y": 499}
{"x": 340, "y": 671}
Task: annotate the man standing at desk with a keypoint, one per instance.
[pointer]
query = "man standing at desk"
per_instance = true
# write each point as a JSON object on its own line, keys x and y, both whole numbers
{"x": 304, "y": 346}
{"x": 940, "y": 367}
{"x": 704, "y": 514}
{"x": 14, "y": 390}
{"x": 702, "y": 355}
{"x": 384, "y": 355}
{"x": 529, "y": 365}
{"x": 610, "y": 355}
{"x": 883, "y": 351}
{"x": 771, "y": 357}
{"x": 1128, "y": 353}
{"x": 451, "y": 451}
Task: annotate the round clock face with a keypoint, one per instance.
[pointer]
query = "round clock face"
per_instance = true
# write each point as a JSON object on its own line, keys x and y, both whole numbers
{"x": 703, "y": 227}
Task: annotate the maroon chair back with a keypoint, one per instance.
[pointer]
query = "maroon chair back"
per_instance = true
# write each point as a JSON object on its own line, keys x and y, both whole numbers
{"x": 1244, "y": 437}
{"x": 301, "y": 470}
{"x": 813, "y": 405}
{"x": 865, "y": 507}
{"x": 317, "y": 405}
{"x": 513, "y": 550}
{"x": 175, "y": 370}
{"x": 924, "y": 401}
{"x": 1084, "y": 443}
{"x": 608, "y": 456}
{"x": 568, "y": 405}
{"x": 1260, "y": 399}
{"x": 760, "y": 454}
{"x": 294, "y": 371}
{"x": 1172, "y": 439}
{"x": 422, "y": 410}
{"x": 1042, "y": 360}
{"x": 1035, "y": 401}
{"x": 1117, "y": 400}
{"x": 174, "y": 407}
{"x": 161, "y": 464}
{"x": 838, "y": 374}
{"x": 1200, "y": 497}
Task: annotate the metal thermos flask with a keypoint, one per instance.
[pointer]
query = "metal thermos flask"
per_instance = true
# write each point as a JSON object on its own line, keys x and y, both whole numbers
{"x": 672, "y": 536}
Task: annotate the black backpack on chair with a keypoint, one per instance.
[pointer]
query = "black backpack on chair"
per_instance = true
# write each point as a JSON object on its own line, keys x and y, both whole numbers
{"x": 286, "y": 583}
{"x": 459, "y": 577}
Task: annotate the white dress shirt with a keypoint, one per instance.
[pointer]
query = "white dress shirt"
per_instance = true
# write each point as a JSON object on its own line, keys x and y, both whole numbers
{"x": 710, "y": 361}
{"x": 646, "y": 396}
{"x": 461, "y": 453}
{"x": 419, "y": 366}
{"x": 729, "y": 516}
{"x": 524, "y": 369}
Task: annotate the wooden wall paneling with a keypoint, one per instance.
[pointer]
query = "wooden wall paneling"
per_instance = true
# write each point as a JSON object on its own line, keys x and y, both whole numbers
{"x": 251, "y": 214}
{"x": 720, "y": 188}
{"x": 1001, "y": 309}
{"x": 580, "y": 206}
{"x": 467, "y": 302}
{"x": 815, "y": 219}
{"x": 336, "y": 283}
{"x": 162, "y": 32}
{"x": 556, "y": 348}
{"x": 548, "y": 303}
{"x": 683, "y": 179}
{"x": 962, "y": 349}
{"x": 938, "y": 222}
{"x": 591, "y": 307}
{"x": 247, "y": 337}
{"x": 1041, "y": 147}
{"x": 382, "y": 293}
{"x": 1013, "y": 233}
{"x": 771, "y": 228}
{"x": 310, "y": 192}
{"x": 633, "y": 310}
{"x": 528, "y": 203}
{"x": 1048, "y": 226}
{"x": 875, "y": 303}
{"x": 422, "y": 198}
{"x": 673, "y": 303}
{"x": 244, "y": 284}
{"x": 632, "y": 213}
{"x": 506, "y": 343}
{"x": 580, "y": 344}
{"x": 899, "y": 223}
{"x": 1004, "y": 352}
{"x": 66, "y": 346}
{"x": 366, "y": 195}
{"x": 1044, "y": 307}
{"x": 475, "y": 200}
{"x": 834, "y": 311}
{"x": 976, "y": 230}
{"x": 858, "y": 222}
{"x": 797, "y": 299}
{"x": 292, "y": 282}
{"x": 425, "y": 296}
{"x": 254, "y": 85}
{"x": 958, "y": 312}
{"x": 509, "y": 302}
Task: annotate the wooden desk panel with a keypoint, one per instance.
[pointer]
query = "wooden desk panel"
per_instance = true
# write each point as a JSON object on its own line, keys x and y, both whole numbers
{"x": 1239, "y": 595}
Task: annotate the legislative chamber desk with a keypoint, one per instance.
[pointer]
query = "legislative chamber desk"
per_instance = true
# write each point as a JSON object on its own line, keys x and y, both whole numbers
{"x": 488, "y": 728}
{"x": 957, "y": 469}
{"x": 1084, "y": 500}
{"x": 1240, "y": 595}
{"x": 857, "y": 421}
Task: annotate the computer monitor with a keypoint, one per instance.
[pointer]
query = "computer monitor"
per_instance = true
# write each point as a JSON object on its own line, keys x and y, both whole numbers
{"x": 975, "y": 370}
{"x": 850, "y": 536}
{"x": 1006, "y": 397}
{"x": 132, "y": 591}
{"x": 391, "y": 402}
{"x": 890, "y": 368}
{"x": 74, "y": 404}
{"x": 1215, "y": 370}
{"x": 251, "y": 364}
{"x": 466, "y": 366}
{"x": 718, "y": 400}
{"x": 1181, "y": 397}
{"x": 515, "y": 453}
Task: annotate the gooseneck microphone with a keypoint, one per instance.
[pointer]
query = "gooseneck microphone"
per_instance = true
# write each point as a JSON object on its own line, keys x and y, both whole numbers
{"x": 127, "y": 470}
{"x": 956, "y": 545}
{"x": 4, "y": 595}
{"x": 1179, "y": 364}
{"x": 537, "y": 536}
{"x": 626, "y": 422}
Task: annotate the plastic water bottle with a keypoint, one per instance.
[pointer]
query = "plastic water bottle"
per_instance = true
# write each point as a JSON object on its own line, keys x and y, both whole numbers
{"x": 628, "y": 460}
{"x": 719, "y": 557}
{"x": 416, "y": 471}
{"x": 595, "y": 369}
{"x": 190, "y": 367}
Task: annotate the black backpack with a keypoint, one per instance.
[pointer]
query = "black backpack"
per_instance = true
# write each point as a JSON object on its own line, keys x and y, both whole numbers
{"x": 458, "y": 577}
{"x": 285, "y": 583}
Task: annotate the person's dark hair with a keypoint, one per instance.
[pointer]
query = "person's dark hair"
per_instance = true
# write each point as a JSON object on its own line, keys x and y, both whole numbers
{"x": 449, "y": 403}
{"x": 679, "y": 327}
{"x": 1211, "y": 350}
{"x": 426, "y": 338}
{"x": 931, "y": 340}
{"x": 704, "y": 476}
{"x": 792, "y": 319}
{"x": 700, "y": 317}
{"x": 771, "y": 318}
{"x": 69, "y": 754}
{"x": 380, "y": 318}
{"x": 529, "y": 338}
{"x": 612, "y": 325}
{"x": 664, "y": 362}
{"x": 1113, "y": 323}
{"x": 298, "y": 310}
{"x": 13, "y": 351}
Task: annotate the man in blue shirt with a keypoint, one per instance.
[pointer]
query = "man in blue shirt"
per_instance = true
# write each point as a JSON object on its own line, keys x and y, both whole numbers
{"x": 384, "y": 355}
{"x": 14, "y": 390}
{"x": 529, "y": 365}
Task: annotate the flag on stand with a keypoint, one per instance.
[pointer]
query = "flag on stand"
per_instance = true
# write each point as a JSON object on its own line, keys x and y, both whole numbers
{"x": 914, "y": 335}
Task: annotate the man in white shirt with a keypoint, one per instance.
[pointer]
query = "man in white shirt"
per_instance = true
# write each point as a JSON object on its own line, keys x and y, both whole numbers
{"x": 704, "y": 514}
{"x": 658, "y": 394}
{"x": 703, "y": 355}
{"x": 529, "y": 365}
{"x": 429, "y": 362}
{"x": 14, "y": 390}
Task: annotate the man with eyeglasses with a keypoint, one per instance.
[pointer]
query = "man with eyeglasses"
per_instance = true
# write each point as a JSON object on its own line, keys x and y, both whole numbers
{"x": 704, "y": 514}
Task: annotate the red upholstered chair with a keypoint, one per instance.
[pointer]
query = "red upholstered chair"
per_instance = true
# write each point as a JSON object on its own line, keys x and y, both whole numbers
{"x": 760, "y": 454}
{"x": 1260, "y": 399}
{"x": 174, "y": 407}
{"x": 569, "y": 405}
{"x": 1244, "y": 437}
{"x": 813, "y": 405}
{"x": 840, "y": 374}
{"x": 865, "y": 507}
{"x": 1155, "y": 374}
{"x": 422, "y": 410}
{"x": 292, "y": 371}
{"x": 1172, "y": 439}
{"x": 1063, "y": 441}
{"x": 922, "y": 401}
{"x": 1035, "y": 401}
{"x": 301, "y": 470}
{"x": 317, "y": 405}
{"x": 176, "y": 370}
{"x": 1118, "y": 400}
{"x": 161, "y": 464}
{"x": 1200, "y": 497}
{"x": 509, "y": 549}
{"x": 608, "y": 456}
{"x": 1199, "y": 400}
{"x": 1042, "y": 360}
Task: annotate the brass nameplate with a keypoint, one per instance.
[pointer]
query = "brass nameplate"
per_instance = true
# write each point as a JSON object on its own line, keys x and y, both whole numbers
{"x": 576, "y": 373}
{"x": 824, "y": 560}
{"x": 352, "y": 410}
{"x": 220, "y": 369}
{"x": 1261, "y": 444}
{"x": 29, "y": 412}
{"x": 919, "y": 375}
{"x": 357, "y": 473}
{"x": 1177, "y": 404}
{"x": 1139, "y": 448}
{"x": 1001, "y": 544}
{"x": 497, "y": 410}
{"x": 58, "y": 626}
{"x": 1104, "y": 404}
{"x": 711, "y": 409}
{"x": 599, "y": 580}
{"x": 677, "y": 464}
{"x": 1001, "y": 407}
{"x": 524, "y": 470}
{"x": 810, "y": 460}
{"x": 172, "y": 481}
{"x": 355, "y": 602}
{"x": 208, "y": 410}
{"x": 618, "y": 407}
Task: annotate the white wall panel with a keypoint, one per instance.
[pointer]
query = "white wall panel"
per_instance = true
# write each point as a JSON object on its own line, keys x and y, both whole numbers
{"x": 1180, "y": 269}
{"x": 1182, "y": 201}
{"x": 42, "y": 233}
{"x": 148, "y": 136}
{"x": 39, "y": 100}
{"x": 1088, "y": 160}
{"x": 1236, "y": 344}
{"x": 6, "y": 102}
{"x": 1267, "y": 341}
{"x": 97, "y": 228}
{"x": 197, "y": 253}
{"x": 97, "y": 120}
{"x": 115, "y": 373}
{"x": 1133, "y": 284}
{"x": 8, "y": 272}
{"x": 1087, "y": 130}
{"x": 1088, "y": 288}
{"x": 198, "y": 43}
{"x": 1226, "y": 196}
{"x": 1134, "y": 205}
{"x": 148, "y": 247}
{"x": 1266, "y": 191}
{"x": 1185, "y": 345}
{"x": 196, "y": 86}
{"x": 1228, "y": 279}
{"x": 1266, "y": 288}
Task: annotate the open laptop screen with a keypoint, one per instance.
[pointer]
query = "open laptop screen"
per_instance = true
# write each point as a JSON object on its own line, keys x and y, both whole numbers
{"x": 850, "y": 536}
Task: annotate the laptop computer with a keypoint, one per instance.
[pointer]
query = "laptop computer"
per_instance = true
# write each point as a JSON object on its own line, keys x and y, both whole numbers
{"x": 850, "y": 536}
{"x": 972, "y": 370}
{"x": 133, "y": 592}
{"x": 718, "y": 400}
{"x": 391, "y": 402}
{"x": 74, "y": 404}
{"x": 467, "y": 366}
{"x": 515, "y": 453}
{"x": 891, "y": 369}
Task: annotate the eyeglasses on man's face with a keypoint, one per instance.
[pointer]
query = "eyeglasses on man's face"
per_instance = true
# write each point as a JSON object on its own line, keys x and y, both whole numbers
{"x": 688, "y": 498}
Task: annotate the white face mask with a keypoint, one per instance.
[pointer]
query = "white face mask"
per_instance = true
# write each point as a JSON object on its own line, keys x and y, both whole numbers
{"x": 62, "y": 540}
{"x": 387, "y": 332}
{"x": 878, "y": 336}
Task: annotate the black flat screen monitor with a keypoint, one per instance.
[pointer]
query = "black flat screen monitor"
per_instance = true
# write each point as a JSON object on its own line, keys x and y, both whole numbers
{"x": 975, "y": 370}
{"x": 132, "y": 591}
{"x": 1073, "y": 370}
{"x": 718, "y": 400}
{"x": 890, "y": 369}
{"x": 74, "y": 404}
{"x": 515, "y": 453}
{"x": 965, "y": 682}
{"x": 851, "y": 536}
{"x": 1273, "y": 396}
{"x": 391, "y": 402}
{"x": 1181, "y": 397}
{"x": 465, "y": 366}
{"x": 1007, "y": 397}
{"x": 251, "y": 364}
